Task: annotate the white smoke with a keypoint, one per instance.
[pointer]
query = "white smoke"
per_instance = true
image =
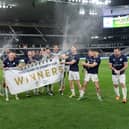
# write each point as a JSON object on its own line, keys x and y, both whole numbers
{"x": 78, "y": 29}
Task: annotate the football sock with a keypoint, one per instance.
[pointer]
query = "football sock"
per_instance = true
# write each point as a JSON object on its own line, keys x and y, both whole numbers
{"x": 124, "y": 92}
{"x": 81, "y": 93}
{"x": 73, "y": 91}
{"x": 98, "y": 95}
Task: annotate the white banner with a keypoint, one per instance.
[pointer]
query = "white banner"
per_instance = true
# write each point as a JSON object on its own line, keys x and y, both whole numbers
{"x": 33, "y": 76}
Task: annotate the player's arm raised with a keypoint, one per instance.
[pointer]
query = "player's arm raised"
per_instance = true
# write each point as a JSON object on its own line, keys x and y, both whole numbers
{"x": 89, "y": 65}
{"x": 70, "y": 62}
{"x": 64, "y": 56}
{"x": 92, "y": 65}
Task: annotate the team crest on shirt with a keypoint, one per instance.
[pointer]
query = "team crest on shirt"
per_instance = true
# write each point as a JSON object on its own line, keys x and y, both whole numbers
{"x": 121, "y": 59}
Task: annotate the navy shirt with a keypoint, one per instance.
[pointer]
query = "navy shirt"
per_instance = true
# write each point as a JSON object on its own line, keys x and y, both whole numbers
{"x": 118, "y": 62}
{"x": 37, "y": 57}
{"x": 91, "y": 60}
{"x": 28, "y": 61}
{"x": 8, "y": 63}
{"x": 67, "y": 60}
{"x": 74, "y": 67}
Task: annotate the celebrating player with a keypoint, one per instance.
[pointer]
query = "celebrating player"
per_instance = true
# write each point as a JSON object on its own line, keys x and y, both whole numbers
{"x": 74, "y": 71}
{"x": 57, "y": 55}
{"x": 10, "y": 62}
{"x": 29, "y": 60}
{"x": 50, "y": 91}
{"x": 118, "y": 63}
{"x": 92, "y": 66}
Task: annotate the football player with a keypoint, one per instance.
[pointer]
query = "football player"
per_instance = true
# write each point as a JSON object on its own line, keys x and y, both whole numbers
{"x": 118, "y": 63}
{"x": 91, "y": 65}
{"x": 57, "y": 55}
{"x": 74, "y": 71}
{"x": 10, "y": 62}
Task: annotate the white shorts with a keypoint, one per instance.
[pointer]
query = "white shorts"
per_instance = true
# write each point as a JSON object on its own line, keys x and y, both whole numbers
{"x": 89, "y": 76}
{"x": 119, "y": 79}
{"x": 74, "y": 75}
{"x": 66, "y": 68}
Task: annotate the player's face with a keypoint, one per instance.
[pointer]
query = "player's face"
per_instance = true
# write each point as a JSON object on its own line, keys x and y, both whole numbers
{"x": 43, "y": 52}
{"x": 37, "y": 52}
{"x": 33, "y": 53}
{"x": 117, "y": 52}
{"x": 29, "y": 54}
{"x": 56, "y": 48}
{"x": 11, "y": 56}
{"x": 48, "y": 51}
{"x": 90, "y": 53}
{"x": 73, "y": 50}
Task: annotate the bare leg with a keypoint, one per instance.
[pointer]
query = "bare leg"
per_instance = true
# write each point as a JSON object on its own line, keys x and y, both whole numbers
{"x": 71, "y": 82}
{"x": 82, "y": 89}
{"x": 124, "y": 92}
{"x": 98, "y": 90}
{"x": 62, "y": 87}
{"x": 116, "y": 89}
{"x": 78, "y": 84}
{"x": 85, "y": 85}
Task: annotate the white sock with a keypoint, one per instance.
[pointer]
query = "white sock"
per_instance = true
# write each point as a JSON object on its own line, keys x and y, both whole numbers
{"x": 124, "y": 92}
{"x": 98, "y": 95}
{"x": 16, "y": 96}
{"x": 73, "y": 91}
{"x": 116, "y": 89}
{"x": 81, "y": 93}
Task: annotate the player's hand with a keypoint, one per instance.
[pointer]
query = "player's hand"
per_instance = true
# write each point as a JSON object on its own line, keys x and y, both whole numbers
{"x": 62, "y": 62}
{"x": 117, "y": 72}
{"x": 83, "y": 63}
{"x": 63, "y": 56}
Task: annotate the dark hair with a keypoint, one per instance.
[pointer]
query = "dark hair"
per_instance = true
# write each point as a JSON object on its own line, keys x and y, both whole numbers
{"x": 43, "y": 49}
{"x": 11, "y": 52}
{"x": 47, "y": 48}
{"x": 117, "y": 48}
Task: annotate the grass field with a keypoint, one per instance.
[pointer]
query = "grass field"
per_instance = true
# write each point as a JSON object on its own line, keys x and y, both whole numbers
{"x": 60, "y": 112}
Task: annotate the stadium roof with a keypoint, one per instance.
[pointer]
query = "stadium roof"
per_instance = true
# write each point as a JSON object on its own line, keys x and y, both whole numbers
{"x": 35, "y": 10}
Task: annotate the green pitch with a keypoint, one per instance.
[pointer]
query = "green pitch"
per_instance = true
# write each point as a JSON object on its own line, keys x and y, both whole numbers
{"x": 60, "y": 112}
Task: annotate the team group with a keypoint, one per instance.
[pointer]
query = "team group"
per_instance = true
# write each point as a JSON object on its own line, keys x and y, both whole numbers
{"x": 118, "y": 63}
